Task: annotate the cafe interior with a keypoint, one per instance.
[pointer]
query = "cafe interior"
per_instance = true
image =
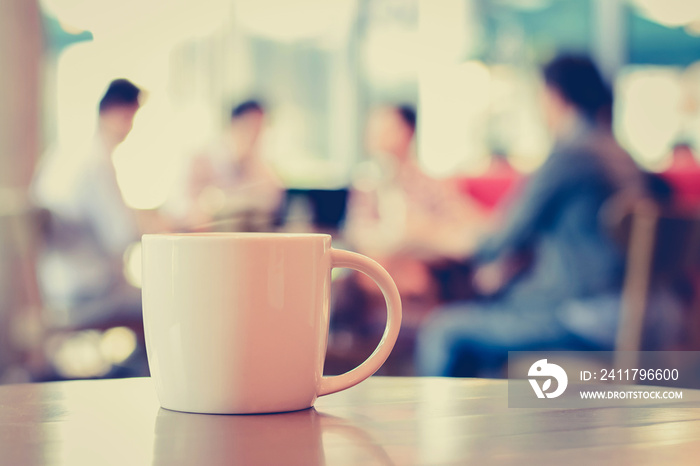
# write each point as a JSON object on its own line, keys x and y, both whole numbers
{"x": 419, "y": 133}
{"x": 443, "y": 139}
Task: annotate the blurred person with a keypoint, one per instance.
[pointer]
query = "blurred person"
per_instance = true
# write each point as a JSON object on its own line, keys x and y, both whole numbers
{"x": 81, "y": 270}
{"x": 407, "y": 221}
{"x": 230, "y": 182}
{"x": 395, "y": 207}
{"x": 568, "y": 298}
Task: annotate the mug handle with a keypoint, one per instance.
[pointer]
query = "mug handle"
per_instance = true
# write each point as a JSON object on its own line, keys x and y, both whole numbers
{"x": 382, "y": 278}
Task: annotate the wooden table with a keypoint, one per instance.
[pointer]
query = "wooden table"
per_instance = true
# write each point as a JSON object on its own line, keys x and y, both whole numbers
{"x": 381, "y": 421}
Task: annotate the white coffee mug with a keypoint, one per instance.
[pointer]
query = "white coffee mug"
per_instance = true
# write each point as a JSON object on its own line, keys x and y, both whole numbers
{"x": 238, "y": 322}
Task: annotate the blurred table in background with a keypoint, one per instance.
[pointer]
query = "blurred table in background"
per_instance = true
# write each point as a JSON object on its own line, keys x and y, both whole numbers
{"x": 381, "y": 421}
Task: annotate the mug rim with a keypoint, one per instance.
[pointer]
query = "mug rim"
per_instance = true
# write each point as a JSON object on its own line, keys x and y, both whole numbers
{"x": 224, "y": 235}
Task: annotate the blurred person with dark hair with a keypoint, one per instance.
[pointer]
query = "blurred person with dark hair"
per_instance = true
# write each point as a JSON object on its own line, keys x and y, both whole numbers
{"x": 230, "y": 181}
{"x": 81, "y": 271}
{"x": 117, "y": 110}
{"x": 555, "y": 218}
{"x": 403, "y": 218}
{"x": 395, "y": 207}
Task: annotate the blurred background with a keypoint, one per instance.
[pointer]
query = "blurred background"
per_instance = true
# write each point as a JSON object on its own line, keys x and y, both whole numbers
{"x": 407, "y": 129}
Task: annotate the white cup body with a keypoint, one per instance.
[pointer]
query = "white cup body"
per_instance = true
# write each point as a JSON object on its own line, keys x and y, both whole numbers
{"x": 236, "y": 322}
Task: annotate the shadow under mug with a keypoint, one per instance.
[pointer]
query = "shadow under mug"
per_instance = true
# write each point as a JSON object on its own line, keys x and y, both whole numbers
{"x": 237, "y": 323}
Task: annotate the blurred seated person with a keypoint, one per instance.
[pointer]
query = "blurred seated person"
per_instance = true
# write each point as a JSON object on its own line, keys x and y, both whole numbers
{"x": 404, "y": 219}
{"x": 556, "y": 218}
{"x": 683, "y": 176}
{"x": 81, "y": 269}
{"x": 230, "y": 185}
{"x": 396, "y": 208}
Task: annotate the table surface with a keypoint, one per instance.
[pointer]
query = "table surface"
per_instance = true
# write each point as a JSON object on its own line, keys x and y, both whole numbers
{"x": 384, "y": 420}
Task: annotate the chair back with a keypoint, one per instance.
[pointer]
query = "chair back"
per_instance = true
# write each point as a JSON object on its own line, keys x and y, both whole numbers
{"x": 663, "y": 249}
{"x": 21, "y": 306}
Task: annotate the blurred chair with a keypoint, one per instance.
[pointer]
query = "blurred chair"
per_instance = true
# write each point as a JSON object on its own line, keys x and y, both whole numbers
{"x": 102, "y": 337}
{"x": 663, "y": 249}
{"x": 32, "y": 344}
{"x": 21, "y": 307}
